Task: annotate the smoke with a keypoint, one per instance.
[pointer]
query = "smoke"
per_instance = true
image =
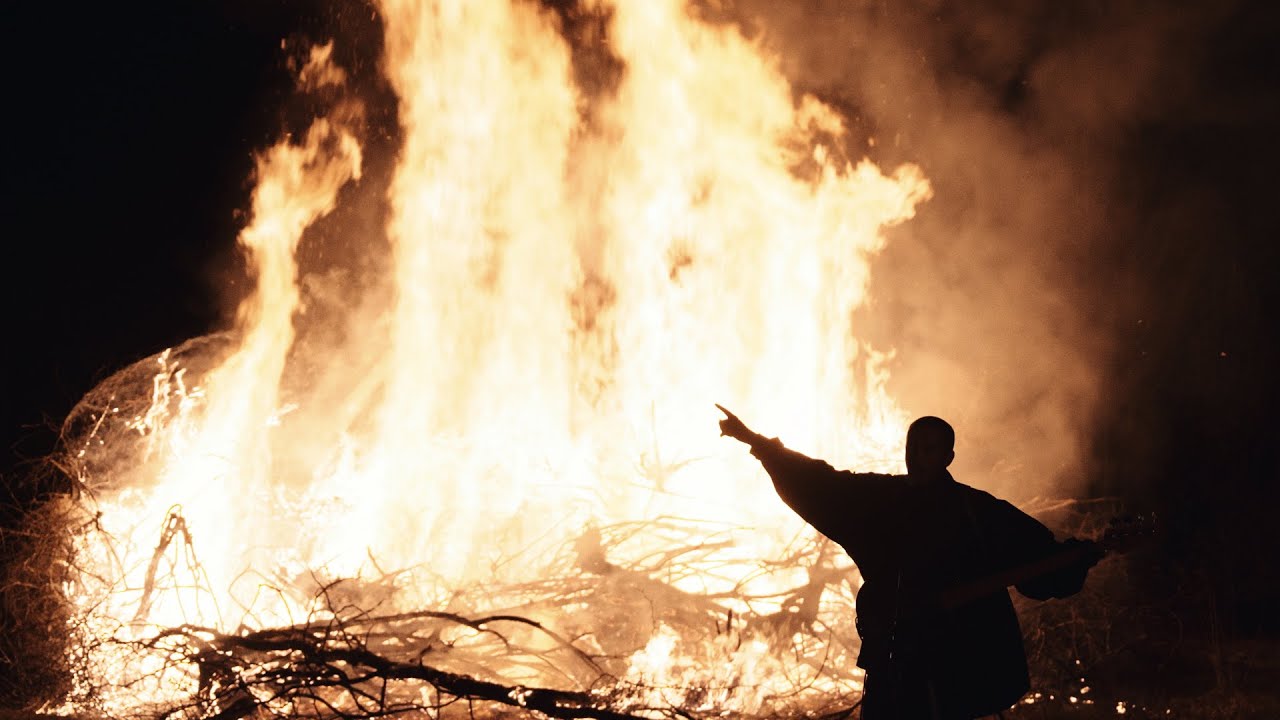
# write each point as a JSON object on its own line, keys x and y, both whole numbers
{"x": 1002, "y": 298}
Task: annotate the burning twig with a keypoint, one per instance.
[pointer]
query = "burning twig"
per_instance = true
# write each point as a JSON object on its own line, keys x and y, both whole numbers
{"x": 175, "y": 526}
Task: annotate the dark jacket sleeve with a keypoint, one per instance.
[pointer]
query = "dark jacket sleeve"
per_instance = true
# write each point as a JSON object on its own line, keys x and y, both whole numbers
{"x": 828, "y": 499}
{"x": 1025, "y": 540}
{"x": 1066, "y": 581}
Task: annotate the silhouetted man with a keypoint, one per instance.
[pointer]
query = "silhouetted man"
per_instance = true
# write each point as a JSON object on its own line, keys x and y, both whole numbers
{"x": 940, "y": 639}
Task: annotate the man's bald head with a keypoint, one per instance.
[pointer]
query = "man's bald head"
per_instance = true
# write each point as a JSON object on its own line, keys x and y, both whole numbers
{"x": 931, "y": 445}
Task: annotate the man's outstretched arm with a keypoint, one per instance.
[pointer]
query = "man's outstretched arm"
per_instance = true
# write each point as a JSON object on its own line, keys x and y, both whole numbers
{"x": 809, "y": 486}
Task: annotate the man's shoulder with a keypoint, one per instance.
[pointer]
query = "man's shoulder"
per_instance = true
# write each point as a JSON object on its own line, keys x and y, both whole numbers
{"x": 996, "y": 511}
{"x": 982, "y": 498}
{"x": 873, "y": 477}
{"x": 973, "y": 492}
{"x": 872, "y": 484}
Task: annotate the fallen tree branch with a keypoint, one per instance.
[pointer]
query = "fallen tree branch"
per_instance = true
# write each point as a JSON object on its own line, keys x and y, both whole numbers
{"x": 300, "y": 660}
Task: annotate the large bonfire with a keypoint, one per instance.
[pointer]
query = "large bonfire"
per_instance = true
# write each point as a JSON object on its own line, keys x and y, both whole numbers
{"x": 486, "y": 473}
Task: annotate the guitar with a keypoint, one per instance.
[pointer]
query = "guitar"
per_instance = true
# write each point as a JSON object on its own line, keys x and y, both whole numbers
{"x": 1120, "y": 536}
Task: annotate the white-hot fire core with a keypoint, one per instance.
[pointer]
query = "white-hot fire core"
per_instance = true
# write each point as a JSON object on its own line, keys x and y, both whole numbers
{"x": 575, "y": 279}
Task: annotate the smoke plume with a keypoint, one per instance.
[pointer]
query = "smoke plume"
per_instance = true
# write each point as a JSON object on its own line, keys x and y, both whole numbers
{"x": 1002, "y": 298}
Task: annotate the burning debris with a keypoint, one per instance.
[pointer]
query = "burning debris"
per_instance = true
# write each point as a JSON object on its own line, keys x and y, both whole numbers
{"x": 589, "y": 637}
{"x": 648, "y": 618}
{"x": 349, "y": 662}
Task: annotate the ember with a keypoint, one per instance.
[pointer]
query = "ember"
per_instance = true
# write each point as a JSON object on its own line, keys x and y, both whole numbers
{"x": 496, "y": 479}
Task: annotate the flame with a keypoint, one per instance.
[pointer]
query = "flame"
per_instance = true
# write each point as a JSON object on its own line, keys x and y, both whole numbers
{"x": 576, "y": 276}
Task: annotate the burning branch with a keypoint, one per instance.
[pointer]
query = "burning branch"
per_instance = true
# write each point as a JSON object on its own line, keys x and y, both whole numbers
{"x": 329, "y": 670}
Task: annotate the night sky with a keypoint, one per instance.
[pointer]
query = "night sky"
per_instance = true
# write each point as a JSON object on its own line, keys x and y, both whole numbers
{"x": 130, "y": 155}
{"x": 130, "y": 133}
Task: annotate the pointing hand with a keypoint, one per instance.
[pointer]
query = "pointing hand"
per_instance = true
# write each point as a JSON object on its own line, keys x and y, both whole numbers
{"x": 733, "y": 427}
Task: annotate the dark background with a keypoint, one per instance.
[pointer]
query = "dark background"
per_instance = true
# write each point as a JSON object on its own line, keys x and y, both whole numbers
{"x": 130, "y": 135}
{"x": 130, "y": 149}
